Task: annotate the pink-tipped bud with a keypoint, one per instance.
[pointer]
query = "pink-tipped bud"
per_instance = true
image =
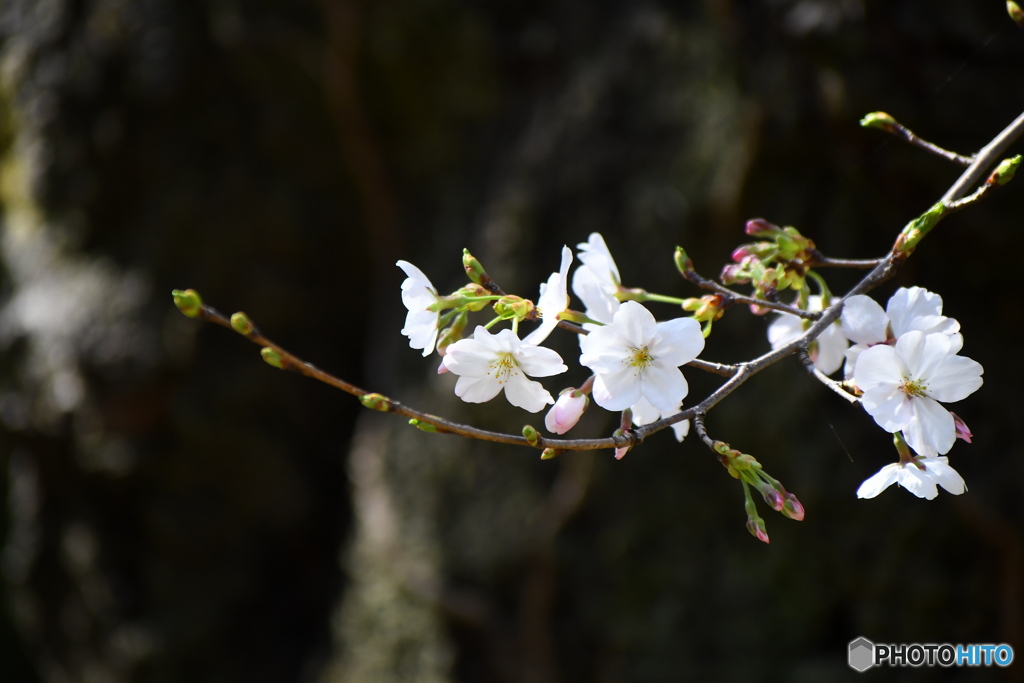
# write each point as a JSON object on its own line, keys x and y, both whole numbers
{"x": 741, "y": 252}
{"x": 773, "y": 498}
{"x": 733, "y": 274}
{"x": 566, "y": 412}
{"x": 793, "y": 508}
{"x": 442, "y": 368}
{"x": 619, "y": 452}
{"x": 757, "y": 530}
{"x": 759, "y": 227}
{"x": 962, "y": 432}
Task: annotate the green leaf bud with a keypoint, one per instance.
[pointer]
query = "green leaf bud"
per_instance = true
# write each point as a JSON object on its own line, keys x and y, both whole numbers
{"x": 880, "y": 120}
{"x": 241, "y": 324}
{"x": 1005, "y": 171}
{"x": 188, "y": 302}
{"x": 272, "y": 357}
{"x": 532, "y": 437}
{"x": 376, "y": 402}
{"x": 549, "y": 453}
{"x": 422, "y": 426}
{"x": 1015, "y": 12}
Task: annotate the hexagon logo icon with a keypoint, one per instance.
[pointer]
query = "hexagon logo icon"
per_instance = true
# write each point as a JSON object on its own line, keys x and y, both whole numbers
{"x": 862, "y": 654}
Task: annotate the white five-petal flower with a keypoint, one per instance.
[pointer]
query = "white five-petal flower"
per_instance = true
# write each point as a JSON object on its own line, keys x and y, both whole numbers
{"x": 635, "y": 357}
{"x": 552, "y": 301}
{"x": 488, "y": 363}
{"x": 827, "y": 353}
{"x": 921, "y": 477}
{"x": 596, "y": 281}
{"x": 904, "y": 384}
{"x": 417, "y": 294}
{"x": 909, "y": 309}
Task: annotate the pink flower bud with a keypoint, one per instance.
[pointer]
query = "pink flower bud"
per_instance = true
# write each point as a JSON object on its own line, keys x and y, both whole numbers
{"x": 619, "y": 452}
{"x": 793, "y": 508}
{"x": 756, "y": 528}
{"x": 759, "y": 227}
{"x": 741, "y": 252}
{"x": 962, "y": 432}
{"x": 773, "y": 498}
{"x": 566, "y": 412}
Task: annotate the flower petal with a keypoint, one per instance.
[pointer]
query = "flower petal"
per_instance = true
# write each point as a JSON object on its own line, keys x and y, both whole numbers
{"x": 663, "y": 385}
{"x": 616, "y": 390}
{"x": 863, "y": 320}
{"x": 677, "y": 342}
{"x": 538, "y": 361}
{"x": 931, "y": 431}
{"x": 878, "y": 366}
{"x": 476, "y": 389}
{"x": 879, "y": 481}
{"x": 527, "y": 394}
{"x": 944, "y": 475}
{"x": 955, "y": 379}
{"x": 917, "y": 481}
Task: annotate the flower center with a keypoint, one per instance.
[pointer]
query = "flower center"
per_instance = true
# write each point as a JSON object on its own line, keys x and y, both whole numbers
{"x": 504, "y": 366}
{"x": 640, "y": 358}
{"x": 913, "y": 388}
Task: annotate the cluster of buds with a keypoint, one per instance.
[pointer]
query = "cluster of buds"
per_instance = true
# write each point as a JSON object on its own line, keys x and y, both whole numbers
{"x": 748, "y": 470}
{"x": 776, "y": 263}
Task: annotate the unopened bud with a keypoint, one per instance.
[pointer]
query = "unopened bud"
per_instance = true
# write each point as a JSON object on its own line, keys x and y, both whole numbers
{"x": 272, "y": 357}
{"x": 376, "y": 402}
{"x": 549, "y": 453}
{"x": 1015, "y": 12}
{"x": 962, "y": 432}
{"x": 773, "y": 498}
{"x": 683, "y": 262}
{"x": 917, "y": 229}
{"x": 532, "y": 437}
{"x": 423, "y": 426}
{"x": 512, "y": 306}
{"x": 759, "y": 227}
{"x": 1005, "y": 171}
{"x": 188, "y": 302}
{"x": 757, "y": 529}
{"x": 880, "y": 120}
{"x": 241, "y": 324}
{"x": 566, "y": 412}
{"x": 474, "y": 270}
{"x": 793, "y": 508}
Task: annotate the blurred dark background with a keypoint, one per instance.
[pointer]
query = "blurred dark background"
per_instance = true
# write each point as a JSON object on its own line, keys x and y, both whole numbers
{"x": 175, "y": 510}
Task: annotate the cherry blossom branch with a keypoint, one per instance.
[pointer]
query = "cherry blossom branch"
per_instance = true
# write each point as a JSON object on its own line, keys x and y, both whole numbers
{"x": 835, "y": 386}
{"x": 881, "y": 269}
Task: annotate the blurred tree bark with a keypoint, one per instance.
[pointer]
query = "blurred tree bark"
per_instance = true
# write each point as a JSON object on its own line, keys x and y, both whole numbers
{"x": 176, "y": 510}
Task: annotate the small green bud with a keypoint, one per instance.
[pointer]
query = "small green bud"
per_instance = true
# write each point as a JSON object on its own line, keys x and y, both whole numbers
{"x": 376, "y": 402}
{"x": 880, "y": 120}
{"x": 549, "y": 453}
{"x": 532, "y": 437}
{"x": 1005, "y": 171}
{"x": 683, "y": 262}
{"x": 188, "y": 302}
{"x": 272, "y": 357}
{"x": 512, "y": 306}
{"x": 917, "y": 229}
{"x": 241, "y": 324}
{"x": 422, "y": 426}
{"x": 474, "y": 270}
{"x": 1015, "y": 12}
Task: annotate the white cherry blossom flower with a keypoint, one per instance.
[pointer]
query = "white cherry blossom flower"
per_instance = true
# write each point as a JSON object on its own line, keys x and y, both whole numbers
{"x": 645, "y": 413}
{"x": 909, "y": 309}
{"x": 489, "y": 363}
{"x": 904, "y": 384}
{"x": 830, "y": 347}
{"x": 552, "y": 301}
{"x": 417, "y": 294}
{"x": 635, "y": 357}
{"x": 596, "y": 280}
{"x": 922, "y": 476}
